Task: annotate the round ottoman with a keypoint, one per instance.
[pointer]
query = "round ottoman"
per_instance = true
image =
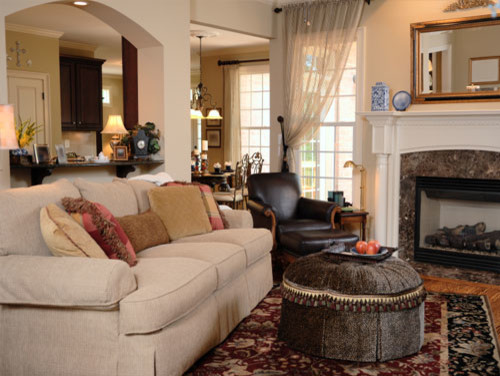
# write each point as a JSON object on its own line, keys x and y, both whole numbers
{"x": 351, "y": 310}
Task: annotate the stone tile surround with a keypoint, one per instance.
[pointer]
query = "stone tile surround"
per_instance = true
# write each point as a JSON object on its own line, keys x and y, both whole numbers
{"x": 467, "y": 164}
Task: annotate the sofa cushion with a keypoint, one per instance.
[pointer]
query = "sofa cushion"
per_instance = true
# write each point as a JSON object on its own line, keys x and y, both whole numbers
{"x": 118, "y": 196}
{"x": 65, "y": 237}
{"x": 103, "y": 227}
{"x": 303, "y": 225}
{"x": 144, "y": 230}
{"x": 64, "y": 281}
{"x": 20, "y": 229}
{"x": 181, "y": 209}
{"x": 256, "y": 241}
{"x": 141, "y": 189}
{"x": 168, "y": 289}
{"x": 229, "y": 259}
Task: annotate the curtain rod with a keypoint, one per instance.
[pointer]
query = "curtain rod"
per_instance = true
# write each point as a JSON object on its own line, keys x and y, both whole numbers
{"x": 279, "y": 10}
{"x": 234, "y": 62}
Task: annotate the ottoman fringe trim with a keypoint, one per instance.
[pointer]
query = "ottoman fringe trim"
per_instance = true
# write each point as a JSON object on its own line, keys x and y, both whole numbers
{"x": 353, "y": 303}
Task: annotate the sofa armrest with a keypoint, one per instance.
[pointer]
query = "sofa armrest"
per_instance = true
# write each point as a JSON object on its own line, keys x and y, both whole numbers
{"x": 317, "y": 209}
{"x": 64, "y": 281}
{"x": 263, "y": 217}
{"x": 238, "y": 218}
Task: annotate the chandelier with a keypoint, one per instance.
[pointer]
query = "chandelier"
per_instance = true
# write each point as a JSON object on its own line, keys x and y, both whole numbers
{"x": 201, "y": 98}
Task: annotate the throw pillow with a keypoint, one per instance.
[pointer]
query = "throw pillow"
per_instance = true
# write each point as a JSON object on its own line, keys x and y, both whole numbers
{"x": 181, "y": 210}
{"x": 211, "y": 206}
{"x": 144, "y": 230}
{"x": 65, "y": 237}
{"x": 102, "y": 227}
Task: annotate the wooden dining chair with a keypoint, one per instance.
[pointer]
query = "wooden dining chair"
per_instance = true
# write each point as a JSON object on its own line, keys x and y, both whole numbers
{"x": 234, "y": 197}
{"x": 255, "y": 163}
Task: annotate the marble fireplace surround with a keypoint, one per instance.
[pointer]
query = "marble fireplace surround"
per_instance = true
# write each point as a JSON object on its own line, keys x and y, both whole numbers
{"x": 398, "y": 134}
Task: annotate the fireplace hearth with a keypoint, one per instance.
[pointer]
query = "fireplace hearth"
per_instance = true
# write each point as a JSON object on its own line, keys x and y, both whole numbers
{"x": 457, "y": 222}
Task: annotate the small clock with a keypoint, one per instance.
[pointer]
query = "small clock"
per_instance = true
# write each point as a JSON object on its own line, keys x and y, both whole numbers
{"x": 141, "y": 142}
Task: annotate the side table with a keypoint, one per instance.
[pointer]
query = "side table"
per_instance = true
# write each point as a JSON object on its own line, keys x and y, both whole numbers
{"x": 357, "y": 216}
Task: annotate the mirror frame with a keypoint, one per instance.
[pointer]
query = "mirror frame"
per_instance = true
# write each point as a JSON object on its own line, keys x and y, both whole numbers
{"x": 459, "y": 23}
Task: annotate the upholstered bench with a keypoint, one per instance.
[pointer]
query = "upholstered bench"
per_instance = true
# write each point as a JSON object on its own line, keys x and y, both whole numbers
{"x": 303, "y": 243}
{"x": 351, "y": 310}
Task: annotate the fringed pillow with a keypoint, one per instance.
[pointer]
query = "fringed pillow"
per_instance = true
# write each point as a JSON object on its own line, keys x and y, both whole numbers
{"x": 102, "y": 227}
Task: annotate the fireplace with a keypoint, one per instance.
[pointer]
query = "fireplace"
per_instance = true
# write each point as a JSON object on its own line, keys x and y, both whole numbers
{"x": 457, "y": 222}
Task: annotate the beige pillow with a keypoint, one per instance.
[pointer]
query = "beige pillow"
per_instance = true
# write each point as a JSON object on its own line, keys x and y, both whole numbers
{"x": 181, "y": 209}
{"x": 65, "y": 237}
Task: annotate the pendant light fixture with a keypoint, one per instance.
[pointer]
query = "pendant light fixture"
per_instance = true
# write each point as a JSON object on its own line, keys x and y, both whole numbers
{"x": 201, "y": 98}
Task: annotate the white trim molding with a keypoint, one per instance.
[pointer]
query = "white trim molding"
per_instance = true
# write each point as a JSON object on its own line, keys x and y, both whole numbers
{"x": 396, "y": 133}
{"x": 77, "y": 45}
{"x": 34, "y": 30}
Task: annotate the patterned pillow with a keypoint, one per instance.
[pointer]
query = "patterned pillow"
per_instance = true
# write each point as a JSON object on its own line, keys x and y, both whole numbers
{"x": 102, "y": 227}
{"x": 213, "y": 211}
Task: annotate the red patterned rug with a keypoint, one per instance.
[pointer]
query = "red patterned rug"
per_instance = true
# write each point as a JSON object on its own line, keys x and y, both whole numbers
{"x": 460, "y": 339}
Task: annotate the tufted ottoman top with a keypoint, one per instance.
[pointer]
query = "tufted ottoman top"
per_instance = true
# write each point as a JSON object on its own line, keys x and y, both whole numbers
{"x": 321, "y": 279}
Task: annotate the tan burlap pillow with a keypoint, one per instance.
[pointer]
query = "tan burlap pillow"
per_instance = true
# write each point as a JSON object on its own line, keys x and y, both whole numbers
{"x": 144, "y": 230}
{"x": 65, "y": 237}
{"x": 181, "y": 210}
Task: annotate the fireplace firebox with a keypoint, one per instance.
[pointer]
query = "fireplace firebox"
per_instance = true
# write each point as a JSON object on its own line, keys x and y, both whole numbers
{"x": 457, "y": 222}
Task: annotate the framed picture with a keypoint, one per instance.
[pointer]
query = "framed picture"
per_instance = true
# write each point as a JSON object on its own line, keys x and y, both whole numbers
{"x": 120, "y": 153}
{"x": 61, "y": 154}
{"x": 484, "y": 70}
{"x": 213, "y": 138}
{"x": 42, "y": 153}
{"x": 214, "y": 122}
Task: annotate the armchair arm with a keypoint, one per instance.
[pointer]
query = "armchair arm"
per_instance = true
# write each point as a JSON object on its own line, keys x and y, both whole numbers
{"x": 64, "y": 281}
{"x": 317, "y": 209}
{"x": 264, "y": 217}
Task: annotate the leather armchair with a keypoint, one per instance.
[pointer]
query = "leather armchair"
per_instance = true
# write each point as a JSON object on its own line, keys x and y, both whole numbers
{"x": 276, "y": 204}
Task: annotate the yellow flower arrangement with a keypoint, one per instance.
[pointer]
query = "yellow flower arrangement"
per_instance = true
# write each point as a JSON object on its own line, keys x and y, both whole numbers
{"x": 26, "y": 131}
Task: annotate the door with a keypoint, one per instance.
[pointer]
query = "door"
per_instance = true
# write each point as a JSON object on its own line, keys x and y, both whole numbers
{"x": 29, "y": 94}
{"x": 89, "y": 87}
{"x": 68, "y": 100}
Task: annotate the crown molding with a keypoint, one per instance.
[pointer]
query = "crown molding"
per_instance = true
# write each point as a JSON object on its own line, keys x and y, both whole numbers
{"x": 77, "y": 45}
{"x": 34, "y": 30}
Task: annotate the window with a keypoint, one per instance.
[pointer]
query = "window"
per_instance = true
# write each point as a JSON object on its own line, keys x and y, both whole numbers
{"x": 106, "y": 96}
{"x": 255, "y": 112}
{"x": 323, "y": 156}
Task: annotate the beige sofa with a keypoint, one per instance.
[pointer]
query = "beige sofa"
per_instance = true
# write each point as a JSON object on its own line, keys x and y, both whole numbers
{"x": 81, "y": 316}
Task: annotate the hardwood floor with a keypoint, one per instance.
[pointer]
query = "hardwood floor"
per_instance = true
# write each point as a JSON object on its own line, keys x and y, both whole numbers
{"x": 446, "y": 285}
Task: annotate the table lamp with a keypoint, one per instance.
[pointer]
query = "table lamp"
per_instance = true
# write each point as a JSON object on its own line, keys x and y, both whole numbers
{"x": 115, "y": 127}
{"x": 362, "y": 170}
{"x": 8, "y": 139}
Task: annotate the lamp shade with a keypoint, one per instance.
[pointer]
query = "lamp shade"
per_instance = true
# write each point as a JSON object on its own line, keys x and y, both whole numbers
{"x": 196, "y": 114}
{"x": 214, "y": 114}
{"x": 114, "y": 125}
{"x": 8, "y": 139}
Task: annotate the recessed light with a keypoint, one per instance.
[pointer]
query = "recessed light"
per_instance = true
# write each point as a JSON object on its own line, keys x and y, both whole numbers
{"x": 80, "y": 3}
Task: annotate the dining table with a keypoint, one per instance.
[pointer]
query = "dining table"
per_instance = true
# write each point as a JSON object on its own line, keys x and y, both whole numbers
{"x": 213, "y": 179}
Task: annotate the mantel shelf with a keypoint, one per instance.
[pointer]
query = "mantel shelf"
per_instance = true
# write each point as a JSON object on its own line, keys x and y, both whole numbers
{"x": 421, "y": 114}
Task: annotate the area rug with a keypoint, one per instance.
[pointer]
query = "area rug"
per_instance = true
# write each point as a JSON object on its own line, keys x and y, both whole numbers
{"x": 460, "y": 339}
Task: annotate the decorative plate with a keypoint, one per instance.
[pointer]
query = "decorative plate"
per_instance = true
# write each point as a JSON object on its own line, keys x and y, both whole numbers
{"x": 401, "y": 100}
{"x": 381, "y": 252}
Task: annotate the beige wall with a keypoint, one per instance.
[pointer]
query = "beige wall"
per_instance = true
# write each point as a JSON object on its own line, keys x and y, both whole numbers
{"x": 44, "y": 53}
{"x": 213, "y": 78}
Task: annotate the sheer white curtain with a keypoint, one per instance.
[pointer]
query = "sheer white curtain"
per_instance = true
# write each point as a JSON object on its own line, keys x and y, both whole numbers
{"x": 318, "y": 37}
{"x": 232, "y": 131}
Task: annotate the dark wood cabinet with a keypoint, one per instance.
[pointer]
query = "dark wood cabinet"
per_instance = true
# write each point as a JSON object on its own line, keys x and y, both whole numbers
{"x": 81, "y": 93}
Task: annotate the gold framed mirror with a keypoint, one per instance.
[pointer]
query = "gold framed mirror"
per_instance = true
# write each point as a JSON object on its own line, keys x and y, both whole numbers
{"x": 455, "y": 60}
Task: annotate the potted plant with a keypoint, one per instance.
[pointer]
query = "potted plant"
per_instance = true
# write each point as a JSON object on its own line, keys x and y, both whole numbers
{"x": 25, "y": 134}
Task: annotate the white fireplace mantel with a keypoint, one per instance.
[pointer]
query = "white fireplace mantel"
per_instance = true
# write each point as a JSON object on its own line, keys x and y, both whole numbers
{"x": 396, "y": 133}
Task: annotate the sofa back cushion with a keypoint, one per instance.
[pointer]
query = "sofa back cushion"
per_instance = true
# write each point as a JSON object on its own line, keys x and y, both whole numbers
{"x": 118, "y": 197}
{"x": 181, "y": 210}
{"x": 20, "y": 232}
{"x": 141, "y": 189}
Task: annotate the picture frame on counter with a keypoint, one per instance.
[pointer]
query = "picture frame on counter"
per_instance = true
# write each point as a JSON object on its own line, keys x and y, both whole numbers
{"x": 120, "y": 153}
{"x": 213, "y": 138}
{"x": 61, "y": 154}
{"x": 41, "y": 153}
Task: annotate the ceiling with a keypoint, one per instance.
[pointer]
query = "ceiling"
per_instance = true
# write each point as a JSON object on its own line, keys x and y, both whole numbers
{"x": 82, "y": 27}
